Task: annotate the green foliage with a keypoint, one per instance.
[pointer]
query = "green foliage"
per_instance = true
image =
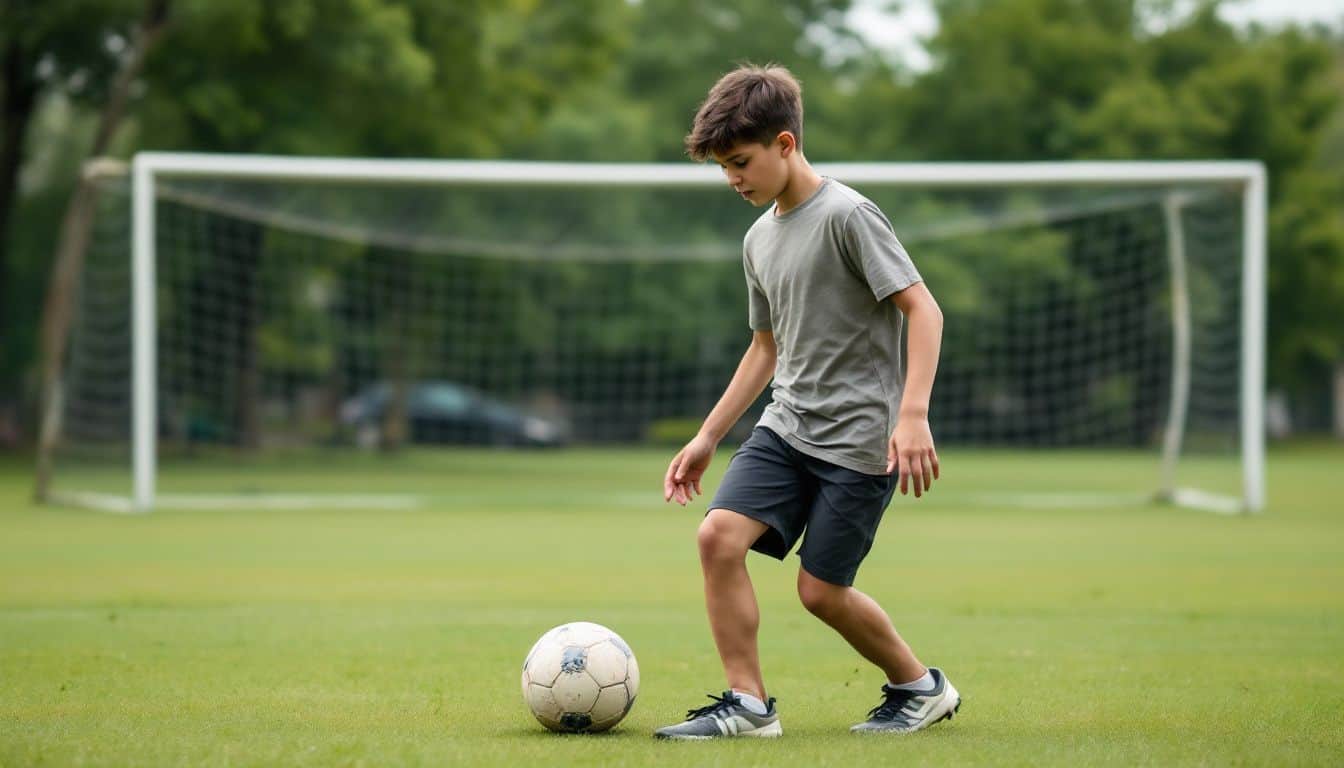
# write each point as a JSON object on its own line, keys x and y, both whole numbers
{"x": 72, "y": 45}
{"x": 1009, "y": 77}
{"x": 368, "y": 77}
{"x": 679, "y": 49}
{"x": 356, "y": 77}
{"x": 1308, "y": 281}
{"x": 1060, "y": 79}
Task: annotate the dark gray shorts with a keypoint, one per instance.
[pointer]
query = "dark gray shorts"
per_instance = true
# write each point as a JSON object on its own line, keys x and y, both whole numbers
{"x": 773, "y": 482}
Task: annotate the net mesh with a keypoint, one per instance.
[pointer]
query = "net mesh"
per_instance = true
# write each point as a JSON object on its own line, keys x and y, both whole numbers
{"x": 304, "y": 316}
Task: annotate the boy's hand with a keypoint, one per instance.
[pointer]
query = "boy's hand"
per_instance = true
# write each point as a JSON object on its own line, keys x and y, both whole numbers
{"x": 911, "y": 451}
{"x": 682, "y": 481}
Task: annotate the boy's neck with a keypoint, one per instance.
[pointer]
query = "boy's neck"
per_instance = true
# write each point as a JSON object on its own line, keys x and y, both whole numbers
{"x": 803, "y": 183}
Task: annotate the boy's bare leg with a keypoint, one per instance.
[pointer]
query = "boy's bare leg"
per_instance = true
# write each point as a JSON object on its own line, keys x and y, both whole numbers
{"x": 734, "y": 618}
{"x": 863, "y": 623}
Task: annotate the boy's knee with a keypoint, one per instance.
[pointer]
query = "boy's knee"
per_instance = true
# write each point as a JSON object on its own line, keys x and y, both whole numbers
{"x": 820, "y": 598}
{"x": 719, "y": 543}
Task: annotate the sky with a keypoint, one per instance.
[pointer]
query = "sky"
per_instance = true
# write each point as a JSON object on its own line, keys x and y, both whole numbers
{"x": 900, "y": 33}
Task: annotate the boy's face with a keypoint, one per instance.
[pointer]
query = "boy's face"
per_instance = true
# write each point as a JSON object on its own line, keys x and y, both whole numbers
{"x": 758, "y": 172}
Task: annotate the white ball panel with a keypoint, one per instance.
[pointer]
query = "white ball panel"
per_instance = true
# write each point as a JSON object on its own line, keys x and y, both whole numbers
{"x": 619, "y": 642}
{"x": 610, "y": 706}
{"x": 541, "y": 701}
{"x": 580, "y": 633}
{"x": 632, "y": 676}
{"x": 575, "y": 692}
{"x": 606, "y": 663}
{"x": 544, "y": 665}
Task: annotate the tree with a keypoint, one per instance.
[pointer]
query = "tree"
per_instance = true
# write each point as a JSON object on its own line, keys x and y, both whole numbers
{"x": 77, "y": 48}
{"x": 1060, "y": 79}
{"x": 1207, "y": 93}
{"x": 75, "y": 230}
{"x": 307, "y": 76}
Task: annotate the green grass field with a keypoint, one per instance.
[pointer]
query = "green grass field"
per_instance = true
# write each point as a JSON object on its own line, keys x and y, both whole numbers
{"x": 1096, "y": 633}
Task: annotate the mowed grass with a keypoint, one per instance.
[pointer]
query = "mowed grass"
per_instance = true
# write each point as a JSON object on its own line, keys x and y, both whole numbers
{"x": 1087, "y": 633}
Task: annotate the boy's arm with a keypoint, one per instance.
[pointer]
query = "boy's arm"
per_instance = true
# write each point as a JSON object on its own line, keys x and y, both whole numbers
{"x": 911, "y": 446}
{"x": 682, "y": 480}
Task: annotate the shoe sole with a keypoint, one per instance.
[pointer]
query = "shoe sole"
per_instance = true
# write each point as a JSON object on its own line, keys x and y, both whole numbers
{"x": 948, "y": 715}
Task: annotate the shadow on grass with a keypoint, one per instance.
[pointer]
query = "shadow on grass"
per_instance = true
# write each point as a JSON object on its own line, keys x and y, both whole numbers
{"x": 615, "y": 734}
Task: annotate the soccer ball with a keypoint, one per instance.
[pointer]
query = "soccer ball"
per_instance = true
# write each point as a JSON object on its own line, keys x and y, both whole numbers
{"x": 580, "y": 678}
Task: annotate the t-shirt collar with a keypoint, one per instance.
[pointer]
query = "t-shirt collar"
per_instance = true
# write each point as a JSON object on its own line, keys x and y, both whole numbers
{"x": 825, "y": 182}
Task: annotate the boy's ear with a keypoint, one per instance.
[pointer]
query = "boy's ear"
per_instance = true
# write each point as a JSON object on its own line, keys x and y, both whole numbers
{"x": 787, "y": 143}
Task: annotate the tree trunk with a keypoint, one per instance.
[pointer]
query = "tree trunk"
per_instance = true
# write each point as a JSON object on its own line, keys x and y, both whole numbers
{"x": 76, "y": 229}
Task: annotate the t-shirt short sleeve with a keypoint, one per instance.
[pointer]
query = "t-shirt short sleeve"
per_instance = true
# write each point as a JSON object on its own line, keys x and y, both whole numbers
{"x": 874, "y": 254}
{"x": 758, "y": 307}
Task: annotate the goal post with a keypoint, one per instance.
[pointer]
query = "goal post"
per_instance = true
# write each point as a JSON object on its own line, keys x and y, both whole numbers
{"x": 1169, "y": 186}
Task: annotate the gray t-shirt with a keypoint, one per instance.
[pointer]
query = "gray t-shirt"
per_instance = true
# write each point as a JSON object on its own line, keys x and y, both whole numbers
{"x": 819, "y": 277}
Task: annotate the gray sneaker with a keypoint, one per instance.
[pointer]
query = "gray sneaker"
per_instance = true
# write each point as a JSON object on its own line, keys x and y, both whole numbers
{"x": 725, "y": 717}
{"x": 904, "y": 711}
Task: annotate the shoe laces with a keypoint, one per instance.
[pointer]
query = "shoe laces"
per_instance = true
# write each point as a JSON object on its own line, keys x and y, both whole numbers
{"x": 892, "y": 701}
{"x": 728, "y": 699}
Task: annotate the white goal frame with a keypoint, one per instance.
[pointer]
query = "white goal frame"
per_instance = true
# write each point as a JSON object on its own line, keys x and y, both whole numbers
{"x": 1249, "y": 176}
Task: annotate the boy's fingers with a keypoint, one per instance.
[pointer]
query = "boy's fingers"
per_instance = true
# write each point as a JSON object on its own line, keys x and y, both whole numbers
{"x": 926, "y": 465}
{"x": 934, "y": 454}
{"x": 669, "y": 480}
{"x": 696, "y": 482}
{"x": 905, "y": 475}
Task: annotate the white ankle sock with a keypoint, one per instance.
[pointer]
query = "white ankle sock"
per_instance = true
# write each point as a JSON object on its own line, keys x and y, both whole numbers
{"x": 755, "y": 705}
{"x": 922, "y": 685}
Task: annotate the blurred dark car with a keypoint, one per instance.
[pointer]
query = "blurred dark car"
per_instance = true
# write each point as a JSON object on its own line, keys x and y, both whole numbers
{"x": 446, "y": 412}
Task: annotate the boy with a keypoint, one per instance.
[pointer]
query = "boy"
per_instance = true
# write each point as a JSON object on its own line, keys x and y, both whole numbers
{"x": 828, "y": 284}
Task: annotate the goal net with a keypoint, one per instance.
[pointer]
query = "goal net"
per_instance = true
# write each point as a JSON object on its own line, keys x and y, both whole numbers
{"x": 243, "y": 322}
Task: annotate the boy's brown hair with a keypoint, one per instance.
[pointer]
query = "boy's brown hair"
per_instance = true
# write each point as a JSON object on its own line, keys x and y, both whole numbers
{"x": 751, "y": 103}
